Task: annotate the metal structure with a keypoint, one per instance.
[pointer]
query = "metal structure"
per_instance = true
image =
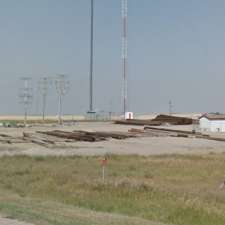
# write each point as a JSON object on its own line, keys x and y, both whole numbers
{"x": 124, "y": 52}
{"x": 170, "y": 107}
{"x": 91, "y": 58}
{"x": 62, "y": 87}
{"x": 43, "y": 87}
{"x": 26, "y": 95}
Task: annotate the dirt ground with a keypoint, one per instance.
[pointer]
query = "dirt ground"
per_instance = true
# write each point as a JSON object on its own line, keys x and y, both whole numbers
{"x": 4, "y": 221}
{"x": 139, "y": 146}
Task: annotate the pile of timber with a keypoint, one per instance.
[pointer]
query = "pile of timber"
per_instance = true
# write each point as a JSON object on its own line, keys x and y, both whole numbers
{"x": 173, "y": 120}
{"x": 37, "y": 139}
{"x": 172, "y": 130}
{"x": 154, "y": 133}
{"x": 87, "y": 136}
{"x": 8, "y": 139}
{"x": 147, "y": 133}
{"x": 138, "y": 122}
{"x": 51, "y": 138}
{"x": 164, "y": 132}
{"x": 158, "y": 121}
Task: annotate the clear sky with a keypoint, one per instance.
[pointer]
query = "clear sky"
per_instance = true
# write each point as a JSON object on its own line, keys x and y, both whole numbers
{"x": 176, "y": 52}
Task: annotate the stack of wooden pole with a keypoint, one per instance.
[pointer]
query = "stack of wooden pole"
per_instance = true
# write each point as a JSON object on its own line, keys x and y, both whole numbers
{"x": 87, "y": 136}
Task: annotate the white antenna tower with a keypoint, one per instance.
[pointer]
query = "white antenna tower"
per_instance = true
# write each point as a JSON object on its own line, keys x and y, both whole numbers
{"x": 43, "y": 84}
{"x": 26, "y": 95}
{"x": 124, "y": 52}
{"x": 62, "y": 87}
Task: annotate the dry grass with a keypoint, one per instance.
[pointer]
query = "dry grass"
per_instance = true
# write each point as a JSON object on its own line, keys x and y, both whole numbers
{"x": 168, "y": 189}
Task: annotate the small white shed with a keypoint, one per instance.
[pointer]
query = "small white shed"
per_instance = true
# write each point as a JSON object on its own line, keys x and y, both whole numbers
{"x": 212, "y": 122}
{"x": 129, "y": 115}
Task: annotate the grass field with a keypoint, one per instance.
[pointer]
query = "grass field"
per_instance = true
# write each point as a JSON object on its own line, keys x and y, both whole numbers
{"x": 181, "y": 190}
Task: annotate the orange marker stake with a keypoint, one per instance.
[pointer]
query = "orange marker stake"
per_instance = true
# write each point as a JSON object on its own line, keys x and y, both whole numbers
{"x": 104, "y": 163}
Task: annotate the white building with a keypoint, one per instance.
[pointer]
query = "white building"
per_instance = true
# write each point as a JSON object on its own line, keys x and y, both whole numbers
{"x": 129, "y": 115}
{"x": 212, "y": 122}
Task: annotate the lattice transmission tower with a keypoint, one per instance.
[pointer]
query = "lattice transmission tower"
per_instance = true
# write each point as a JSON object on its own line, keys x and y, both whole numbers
{"x": 62, "y": 87}
{"x": 26, "y": 95}
{"x": 43, "y": 86}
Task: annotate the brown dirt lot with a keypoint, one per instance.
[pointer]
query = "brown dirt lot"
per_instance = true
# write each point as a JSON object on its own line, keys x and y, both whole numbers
{"x": 139, "y": 146}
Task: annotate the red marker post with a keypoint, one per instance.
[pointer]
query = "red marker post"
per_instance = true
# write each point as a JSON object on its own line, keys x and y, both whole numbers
{"x": 104, "y": 163}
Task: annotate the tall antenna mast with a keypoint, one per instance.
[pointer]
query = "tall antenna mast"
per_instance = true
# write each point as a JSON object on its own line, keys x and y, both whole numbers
{"x": 124, "y": 52}
{"x": 91, "y": 57}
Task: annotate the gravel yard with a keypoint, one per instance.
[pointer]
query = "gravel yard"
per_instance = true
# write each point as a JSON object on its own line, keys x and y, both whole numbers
{"x": 139, "y": 146}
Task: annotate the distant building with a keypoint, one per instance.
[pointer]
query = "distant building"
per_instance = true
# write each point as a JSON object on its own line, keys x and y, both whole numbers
{"x": 212, "y": 122}
{"x": 129, "y": 115}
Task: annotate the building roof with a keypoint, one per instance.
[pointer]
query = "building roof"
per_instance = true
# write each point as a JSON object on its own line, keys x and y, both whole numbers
{"x": 213, "y": 116}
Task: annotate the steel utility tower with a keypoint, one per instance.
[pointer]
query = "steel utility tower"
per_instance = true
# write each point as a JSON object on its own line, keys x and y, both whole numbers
{"x": 43, "y": 88}
{"x": 62, "y": 87}
{"x": 124, "y": 52}
{"x": 26, "y": 96}
{"x": 91, "y": 57}
{"x": 170, "y": 107}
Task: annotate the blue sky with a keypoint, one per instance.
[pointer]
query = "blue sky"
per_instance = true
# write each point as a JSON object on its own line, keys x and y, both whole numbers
{"x": 176, "y": 52}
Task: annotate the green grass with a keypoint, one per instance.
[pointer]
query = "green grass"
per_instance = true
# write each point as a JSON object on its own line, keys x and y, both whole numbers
{"x": 181, "y": 190}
